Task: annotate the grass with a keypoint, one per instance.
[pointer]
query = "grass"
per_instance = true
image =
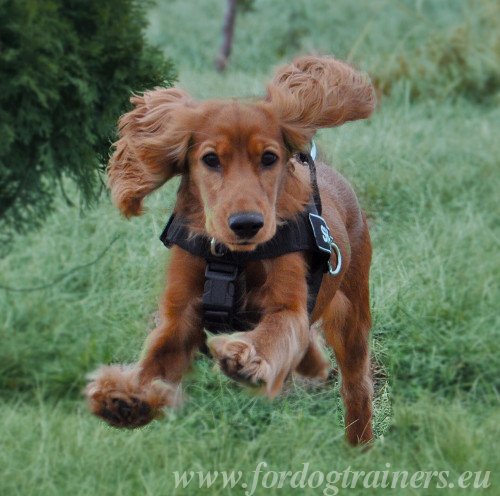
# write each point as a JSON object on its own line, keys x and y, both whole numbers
{"x": 426, "y": 169}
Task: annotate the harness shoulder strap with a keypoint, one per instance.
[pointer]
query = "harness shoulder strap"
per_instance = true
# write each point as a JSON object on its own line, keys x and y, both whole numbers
{"x": 307, "y": 159}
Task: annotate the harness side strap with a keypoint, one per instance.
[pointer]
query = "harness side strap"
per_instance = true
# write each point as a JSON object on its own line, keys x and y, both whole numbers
{"x": 307, "y": 159}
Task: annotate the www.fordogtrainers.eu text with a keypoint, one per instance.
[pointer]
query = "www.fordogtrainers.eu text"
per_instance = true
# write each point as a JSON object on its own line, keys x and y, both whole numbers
{"x": 330, "y": 482}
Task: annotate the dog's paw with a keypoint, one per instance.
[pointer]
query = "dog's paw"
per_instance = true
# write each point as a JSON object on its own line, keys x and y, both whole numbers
{"x": 116, "y": 395}
{"x": 239, "y": 360}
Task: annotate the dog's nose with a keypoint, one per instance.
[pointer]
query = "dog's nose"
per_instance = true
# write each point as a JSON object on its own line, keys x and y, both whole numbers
{"x": 246, "y": 224}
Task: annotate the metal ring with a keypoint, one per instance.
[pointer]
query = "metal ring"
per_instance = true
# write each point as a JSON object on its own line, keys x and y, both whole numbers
{"x": 215, "y": 248}
{"x": 314, "y": 150}
{"x": 335, "y": 271}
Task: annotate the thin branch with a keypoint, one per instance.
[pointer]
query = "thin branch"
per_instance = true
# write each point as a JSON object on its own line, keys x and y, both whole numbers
{"x": 227, "y": 35}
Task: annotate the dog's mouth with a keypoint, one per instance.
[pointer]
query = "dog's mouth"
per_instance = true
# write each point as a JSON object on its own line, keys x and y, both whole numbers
{"x": 225, "y": 241}
{"x": 242, "y": 246}
{"x": 239, "y": 245}
{"x": 250, "y": 244}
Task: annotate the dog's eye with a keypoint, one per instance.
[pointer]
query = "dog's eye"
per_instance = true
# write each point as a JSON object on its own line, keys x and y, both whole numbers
{"x": 211, "y": 160}
{"x": 268, "y": 159}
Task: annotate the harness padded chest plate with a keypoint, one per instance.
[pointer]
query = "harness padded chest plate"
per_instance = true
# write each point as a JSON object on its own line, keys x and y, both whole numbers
{"x": 224, "y": 273}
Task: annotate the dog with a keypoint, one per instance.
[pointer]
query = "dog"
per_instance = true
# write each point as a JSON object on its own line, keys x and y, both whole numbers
{"x": 238, "y": 158}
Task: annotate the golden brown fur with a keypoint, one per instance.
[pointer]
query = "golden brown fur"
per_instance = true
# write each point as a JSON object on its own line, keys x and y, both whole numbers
{"x": 168, "y": 133}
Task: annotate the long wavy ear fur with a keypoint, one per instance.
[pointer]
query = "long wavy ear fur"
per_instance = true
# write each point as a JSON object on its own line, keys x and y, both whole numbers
{"x": 152, "y": 146}
{"x": 315, "y": 92}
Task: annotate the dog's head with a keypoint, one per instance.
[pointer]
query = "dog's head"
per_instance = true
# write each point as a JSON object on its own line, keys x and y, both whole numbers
{"x": 235, "y": 157}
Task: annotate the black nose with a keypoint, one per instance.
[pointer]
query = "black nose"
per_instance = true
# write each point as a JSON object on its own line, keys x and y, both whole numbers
{"x": 246, "y": 224}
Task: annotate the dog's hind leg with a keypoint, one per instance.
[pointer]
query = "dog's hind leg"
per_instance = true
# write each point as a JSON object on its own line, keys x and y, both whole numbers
{"x": 131, "y": 396}
{"x": 314, "y": 364}
{"x": 346, "y": 324}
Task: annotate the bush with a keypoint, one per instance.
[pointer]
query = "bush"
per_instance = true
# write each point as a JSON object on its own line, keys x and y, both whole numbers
{"x": 458, "y": 59}
{"x": 67, "y": 68}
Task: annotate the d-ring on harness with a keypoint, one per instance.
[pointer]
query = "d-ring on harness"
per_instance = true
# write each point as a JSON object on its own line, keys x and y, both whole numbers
{"x": 225, "y": 270}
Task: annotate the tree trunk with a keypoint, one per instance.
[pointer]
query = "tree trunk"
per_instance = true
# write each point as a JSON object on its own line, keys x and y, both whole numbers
{"x": 227, "y": 35}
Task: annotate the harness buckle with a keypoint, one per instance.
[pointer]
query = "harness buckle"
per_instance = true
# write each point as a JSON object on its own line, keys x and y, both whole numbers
{"x": 219, "y": 293}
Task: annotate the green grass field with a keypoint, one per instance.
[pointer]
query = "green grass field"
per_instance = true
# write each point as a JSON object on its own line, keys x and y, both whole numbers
{"x": 426, "y": 167}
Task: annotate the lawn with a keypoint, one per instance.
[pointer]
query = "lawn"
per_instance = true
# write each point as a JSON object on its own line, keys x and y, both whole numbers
{"x": 426, "y": 167}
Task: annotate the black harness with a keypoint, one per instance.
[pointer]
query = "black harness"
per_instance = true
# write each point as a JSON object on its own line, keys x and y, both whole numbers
{"x": 224, "y": 290}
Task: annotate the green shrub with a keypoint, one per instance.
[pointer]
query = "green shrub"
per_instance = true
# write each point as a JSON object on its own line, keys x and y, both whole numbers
{"x": 67, "y": 68}
{"x": 460, "y": 58}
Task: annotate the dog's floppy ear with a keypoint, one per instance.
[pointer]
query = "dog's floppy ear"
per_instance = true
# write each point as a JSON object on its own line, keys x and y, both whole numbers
{"x": 315, "y": 92}
{"x": 152, "y": 146}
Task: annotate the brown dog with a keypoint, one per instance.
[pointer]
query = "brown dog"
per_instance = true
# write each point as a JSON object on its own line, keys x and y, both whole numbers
{"x": 238, "y": 157}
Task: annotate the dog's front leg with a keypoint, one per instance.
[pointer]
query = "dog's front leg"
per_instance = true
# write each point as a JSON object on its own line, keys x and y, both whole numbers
{"x": 133, "y": 395}
{"x": 267, "y": 354}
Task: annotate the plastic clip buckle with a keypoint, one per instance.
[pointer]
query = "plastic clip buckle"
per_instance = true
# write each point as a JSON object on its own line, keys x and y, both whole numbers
{"x": 219, "y": 293}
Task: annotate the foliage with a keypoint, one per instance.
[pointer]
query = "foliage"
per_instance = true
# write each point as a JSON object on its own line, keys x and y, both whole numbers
{"x": 66, "y": 70}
